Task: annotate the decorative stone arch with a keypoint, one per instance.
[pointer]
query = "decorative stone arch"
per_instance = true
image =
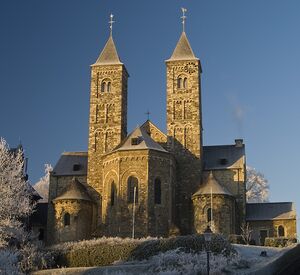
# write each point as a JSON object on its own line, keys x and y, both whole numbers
{"x": 124, "y": 179}
{"x": 111, "y": 176}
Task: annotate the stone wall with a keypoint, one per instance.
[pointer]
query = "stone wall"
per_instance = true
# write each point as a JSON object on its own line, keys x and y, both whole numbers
{"x": 80, "y": 226}
{"x": 233, "y": 179}
{"x": 57, "y": 184}
{"x": 272, "y": 228}
{"x": 145, "y": 166}
{"x": 223, "y": 213}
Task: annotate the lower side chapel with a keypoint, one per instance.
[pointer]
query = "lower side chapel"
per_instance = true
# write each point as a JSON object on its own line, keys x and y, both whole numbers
{"x": 151, "y": 183}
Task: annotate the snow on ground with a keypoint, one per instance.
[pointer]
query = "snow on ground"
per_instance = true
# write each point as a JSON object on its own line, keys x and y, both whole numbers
{"x": 247, "y": 261}
{"x": 251, "y": 255}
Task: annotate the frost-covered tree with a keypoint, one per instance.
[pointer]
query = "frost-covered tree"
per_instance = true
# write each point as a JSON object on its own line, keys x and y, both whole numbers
{"x": 15, "y": 196}
{"x": 42, "y": 186}
{"x": 257, "y": 186}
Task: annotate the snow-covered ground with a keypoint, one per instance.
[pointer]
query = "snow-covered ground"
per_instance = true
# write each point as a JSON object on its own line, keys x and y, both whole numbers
{"x": 251, "y": 256}
{"x": 247, "y": 261}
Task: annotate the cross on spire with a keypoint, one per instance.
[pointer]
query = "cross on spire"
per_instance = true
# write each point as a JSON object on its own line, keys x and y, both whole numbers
{"x": 183, "y": 17}
{"x": 111, "y": 23}
{"x": 148, "y": 114}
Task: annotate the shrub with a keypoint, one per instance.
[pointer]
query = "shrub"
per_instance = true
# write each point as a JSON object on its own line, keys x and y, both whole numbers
{"x": 97, "y": 252}
{"x": 237, "y": 239}
{"x": 279, "y": 241}
{"x": 106, "y": 251}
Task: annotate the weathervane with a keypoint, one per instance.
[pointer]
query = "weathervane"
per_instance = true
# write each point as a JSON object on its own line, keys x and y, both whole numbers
{"x": 111, "y": 23}
{"x": 183, "y": 17}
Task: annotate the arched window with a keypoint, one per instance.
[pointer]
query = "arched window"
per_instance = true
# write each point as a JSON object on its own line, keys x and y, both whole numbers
{"x": 179, "y": 82}
{"x": 209, "y": 215}
{"x": 132, "y": 189}
{"x": 157, "y": 191}
{"x": 103, "y": 86}
{"x": 67, "y": 219}
{"x": 280, "y": 231}
{"x": 108, "y": 86}
{"x": 185, "y": 82}
{"x": 112, "y": 194}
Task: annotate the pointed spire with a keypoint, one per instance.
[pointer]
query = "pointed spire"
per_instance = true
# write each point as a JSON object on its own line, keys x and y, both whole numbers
{"x": 109, "y": 54}
{"x": 183, "y": 50}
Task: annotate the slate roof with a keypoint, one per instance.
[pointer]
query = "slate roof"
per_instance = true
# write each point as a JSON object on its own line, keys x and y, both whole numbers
{"x": 109, "y": 54}
{"x": 75, "y": 190}
{"x": 144, "y": 142}
{"x": 270, "y": 211}
{"x": 211, "y": 185}
{"x": 183, "y": 49}
{"x": 65, "y": 165}
{"x": 222, "y": 156}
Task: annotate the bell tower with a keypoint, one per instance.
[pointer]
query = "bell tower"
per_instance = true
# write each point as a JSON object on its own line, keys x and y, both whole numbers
{"x": 108, "y": 109}
{"x": 184, "y": 125}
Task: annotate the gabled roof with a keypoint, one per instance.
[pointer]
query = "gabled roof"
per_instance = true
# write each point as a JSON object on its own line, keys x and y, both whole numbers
{"x": 147, "y": 125}
{"x": 109, "y": 54}
{"x": 211, "y": 185}
{"x": 183, "y": 50}
{"x": 75, "y": 190}
{"x": 138, "y": 139}
{"x": 65, "y": 164}
{"x": 270, "y": 211}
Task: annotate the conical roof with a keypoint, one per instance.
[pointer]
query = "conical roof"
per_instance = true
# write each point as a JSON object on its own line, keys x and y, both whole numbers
{"x": 183, "y": 50}
{"x": 74, "y": 191}
{"x": 139, "y": 140}
{"x": 109, "y": 54}
{"x": 211, "y": 185}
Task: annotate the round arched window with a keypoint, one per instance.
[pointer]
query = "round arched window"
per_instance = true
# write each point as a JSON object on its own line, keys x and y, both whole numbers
{"x": 132, "y": 190}
{"x": 67, "y": 219}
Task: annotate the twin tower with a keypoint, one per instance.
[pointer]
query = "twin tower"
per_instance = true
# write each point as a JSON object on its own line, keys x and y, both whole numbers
{"x": 165, "y": 169}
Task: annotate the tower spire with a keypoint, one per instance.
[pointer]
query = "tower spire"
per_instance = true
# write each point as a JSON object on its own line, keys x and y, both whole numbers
{"x": 183, "y": 17}
{"x": 111, "y": 23}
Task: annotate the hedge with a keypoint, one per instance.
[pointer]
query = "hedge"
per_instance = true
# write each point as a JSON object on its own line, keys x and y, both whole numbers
{"x": 102, "y": 253}
{"x": 279, "y": 241}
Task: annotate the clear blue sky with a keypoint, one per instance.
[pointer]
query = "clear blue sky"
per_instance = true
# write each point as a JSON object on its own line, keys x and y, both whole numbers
{"x": 250, "y": 54}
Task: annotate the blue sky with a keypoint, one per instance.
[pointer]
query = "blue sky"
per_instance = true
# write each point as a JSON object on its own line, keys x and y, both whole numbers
{"x": 250, "y": 55}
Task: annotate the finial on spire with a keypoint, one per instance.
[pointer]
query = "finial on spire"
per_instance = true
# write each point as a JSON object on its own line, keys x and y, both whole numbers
{"x": 148, "y": 114}
{"x": 111, "y": 23}
{"x": 183, "y": 17}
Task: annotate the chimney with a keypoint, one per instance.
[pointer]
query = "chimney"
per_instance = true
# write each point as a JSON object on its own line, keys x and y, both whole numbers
{"x": 239, "y": 142}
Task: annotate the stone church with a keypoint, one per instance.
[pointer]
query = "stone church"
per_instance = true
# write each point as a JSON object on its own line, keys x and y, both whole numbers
{"x": 147, "y": 182}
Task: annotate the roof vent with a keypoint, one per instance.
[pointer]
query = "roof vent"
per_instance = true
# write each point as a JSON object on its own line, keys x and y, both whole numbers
{"x": 238, "y": 142}
{"x": 136, "y": 141}
{"x": 76, "y": 167}
{"x": 223, "y": 161}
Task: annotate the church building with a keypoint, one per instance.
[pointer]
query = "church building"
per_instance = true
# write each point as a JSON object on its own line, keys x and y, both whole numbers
{"x": 147, "y": 182}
